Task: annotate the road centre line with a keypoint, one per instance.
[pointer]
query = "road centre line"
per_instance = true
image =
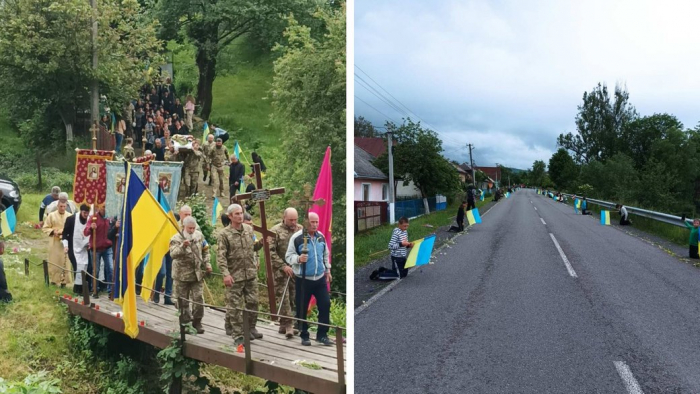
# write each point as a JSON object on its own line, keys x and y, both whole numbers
{"x": 563, "y": 257}
{"x": 627, "y": 378}
{"x": 543, "y": 221}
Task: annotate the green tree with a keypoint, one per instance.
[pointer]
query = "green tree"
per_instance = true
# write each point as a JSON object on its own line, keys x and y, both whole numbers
{"x": 599, "y": 124}
{"x": 308, "y": 93}
{"x": 562, "y": 169}
{"x": 46, "y": 57}
{"x": 537, "y": 173}
{"x": 640, "y": 134}
{"x": 213, "y": 25}
{"x": 364, "y": 128}
{"x": 418, "y": 158}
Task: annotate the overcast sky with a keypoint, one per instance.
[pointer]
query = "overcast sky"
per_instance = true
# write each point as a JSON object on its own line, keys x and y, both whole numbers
{"x": 507, "y": 76}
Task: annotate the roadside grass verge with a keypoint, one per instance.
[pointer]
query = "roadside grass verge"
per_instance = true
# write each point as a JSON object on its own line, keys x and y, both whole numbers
{"x": 372, "y": 244}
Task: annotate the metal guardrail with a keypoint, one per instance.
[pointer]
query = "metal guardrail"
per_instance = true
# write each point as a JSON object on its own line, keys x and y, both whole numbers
{"x": 658, "y": 216}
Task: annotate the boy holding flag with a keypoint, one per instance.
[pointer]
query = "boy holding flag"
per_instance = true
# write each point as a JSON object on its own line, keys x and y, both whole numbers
{"x": 398, "y": 245}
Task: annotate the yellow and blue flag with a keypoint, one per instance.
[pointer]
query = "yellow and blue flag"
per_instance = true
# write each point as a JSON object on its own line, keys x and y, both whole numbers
{"x": 473, "y": 216}
{"x": 577, "y": 205}
{"x": 205, "y": 133}
{"x": 143, "y": 223}
{"x": 507, "y": 195}
{"x": 481, "y": 195}
{"x": 8, "y": 221}
{"x": 605, "y": 218}
{"x": 421, "y": 251}
{"x": 154, "y": 259}
{"x": 216, "y": 211}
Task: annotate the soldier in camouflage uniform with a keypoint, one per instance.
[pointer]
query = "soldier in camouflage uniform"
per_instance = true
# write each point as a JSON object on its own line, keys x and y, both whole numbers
{"x": 219, "y": 158}
{"x": 191, "y": 172}
{"x": 206, "y": 163}
{"x": 189, "y": 252}
{"x": 236, "y": 259}
{"x": 283, "y": 272}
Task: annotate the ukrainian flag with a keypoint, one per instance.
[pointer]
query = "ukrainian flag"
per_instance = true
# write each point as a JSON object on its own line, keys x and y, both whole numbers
{"x": 161, "y": 247}
{"x": 205, "y": 133}
{"x": 605, "y": 218}
{"x": 142, "y": 225}
{"x": 481, "y": 195}
{"x": 577, "y": 205}
{"x": 421, "y": 251}
{"x": 507, "y": 195}
{"x": 237, "y": 151}
{"x": 8, "y": 221}
{"x": 473, "y": 216}
{"x": 216, "y": 211}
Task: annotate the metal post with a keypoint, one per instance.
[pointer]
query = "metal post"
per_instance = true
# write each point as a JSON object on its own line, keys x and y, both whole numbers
{"x": 86, "y": 288}
{"x": 339, "y": 356}
{"x": 95, "y": 85}
{"x": 246, "y": 342}
{"x": 392, "y": 192}
{"x": 471, "y": 160}
{"x": 26, "y": 267}
{"x": 46, "y": 272}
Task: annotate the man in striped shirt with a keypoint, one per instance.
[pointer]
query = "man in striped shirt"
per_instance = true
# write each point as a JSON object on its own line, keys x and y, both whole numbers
{"x": 398, "y": 245}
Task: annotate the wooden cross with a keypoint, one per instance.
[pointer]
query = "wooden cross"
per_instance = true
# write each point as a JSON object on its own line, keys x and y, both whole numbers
{"x": 306, "y": 200}
{"x": 94, "y": 130}
{"x": 259, "y": 196}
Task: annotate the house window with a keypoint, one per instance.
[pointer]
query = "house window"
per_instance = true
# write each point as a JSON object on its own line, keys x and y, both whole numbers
{"x": 385, "y": 192}
{"x": 365, "y": 191}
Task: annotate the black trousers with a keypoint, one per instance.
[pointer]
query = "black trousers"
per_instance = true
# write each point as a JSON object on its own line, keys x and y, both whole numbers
{"x": 398, "y": 263}
{"x": 470, "y": 205}
{"x": 5, "y": 295}
{"x": 458, "y": 228}
{"x": 693, "y": 252}
{"x": 319, "y": 289}
{"x": 624, "y": 222}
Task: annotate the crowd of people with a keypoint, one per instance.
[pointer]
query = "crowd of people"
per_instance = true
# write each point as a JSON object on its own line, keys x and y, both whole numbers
{"x": 299, "y": 258}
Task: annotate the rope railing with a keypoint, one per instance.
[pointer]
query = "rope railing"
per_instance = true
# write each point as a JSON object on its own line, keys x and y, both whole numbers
{"x": 261, "y": 284}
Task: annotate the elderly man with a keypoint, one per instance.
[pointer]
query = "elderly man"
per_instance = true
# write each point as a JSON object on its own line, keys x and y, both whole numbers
{"x": 313, "y": 273}
{"x": 59, "y": 267}
{"x": 283, "y": 273}
{"x": 71, "y": 208}
{"x": 51, "y": 197}
{"x": 166, "y": 270}
{"x": 218, "y": 157}
{"x": 75, "y": 244}
{"x": 190, "y": 254}
{"x": 236, "y": 259}
{"x": 206, "y": 163}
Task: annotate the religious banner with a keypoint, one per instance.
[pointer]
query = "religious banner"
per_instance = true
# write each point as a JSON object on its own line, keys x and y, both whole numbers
{"x": 116, "y": 186}
{"x": 167, "y": 174}
{"x": 146, "y": 161}
{"x": 90, "y": 176}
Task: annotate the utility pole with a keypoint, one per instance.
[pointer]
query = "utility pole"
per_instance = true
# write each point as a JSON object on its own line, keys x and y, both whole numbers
{"x": 95, "y": 86}
{"x": 471, "y": 161}
{"x": 392, "y": 197}
{"x": 498, "y": 170}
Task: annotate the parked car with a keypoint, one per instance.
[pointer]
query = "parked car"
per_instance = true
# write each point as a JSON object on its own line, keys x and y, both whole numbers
{"x": 11, "y": 194}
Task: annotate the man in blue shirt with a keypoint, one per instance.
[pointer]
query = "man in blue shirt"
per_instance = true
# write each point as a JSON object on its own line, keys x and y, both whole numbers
{"x": 51, "y": 197}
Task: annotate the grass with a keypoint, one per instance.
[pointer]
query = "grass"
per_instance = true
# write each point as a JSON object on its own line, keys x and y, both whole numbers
{"x": 677, "y": 235}
{"x": 34, "y": 327}
{"x": 11, "y": 141}
{"x": 372, "y": 244}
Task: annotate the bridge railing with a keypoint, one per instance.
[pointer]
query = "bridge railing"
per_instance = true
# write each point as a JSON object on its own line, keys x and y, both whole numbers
{"x": 658, "y": 216}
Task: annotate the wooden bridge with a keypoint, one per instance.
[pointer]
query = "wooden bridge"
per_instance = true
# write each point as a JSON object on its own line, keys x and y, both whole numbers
{"x": 273, "y": 357}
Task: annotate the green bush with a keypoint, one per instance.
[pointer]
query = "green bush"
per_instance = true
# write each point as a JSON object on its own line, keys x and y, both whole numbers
{"x": 39, "y": 383}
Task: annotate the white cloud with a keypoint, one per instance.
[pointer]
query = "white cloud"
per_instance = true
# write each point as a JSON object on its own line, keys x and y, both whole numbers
{"x": 513, "y": 72}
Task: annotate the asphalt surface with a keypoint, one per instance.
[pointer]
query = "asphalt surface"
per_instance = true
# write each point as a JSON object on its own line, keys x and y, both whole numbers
{"x": 365, "y": 288}
{"x": 500, "y": 313}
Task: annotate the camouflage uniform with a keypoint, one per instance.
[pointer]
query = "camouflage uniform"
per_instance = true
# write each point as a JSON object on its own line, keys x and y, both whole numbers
{"x": 219, "y": 158}
{"x": 187, "y": 274}
{"x": 235, "y": 257}
{"x": 191, "y": 172}
{"x": 206, "y": 149}
{"x": 278, "y": 249}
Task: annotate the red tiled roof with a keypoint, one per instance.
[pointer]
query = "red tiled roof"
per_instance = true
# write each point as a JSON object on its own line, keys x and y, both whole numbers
{"x": 375, "y": 146}
{"x": 492, "y": 172}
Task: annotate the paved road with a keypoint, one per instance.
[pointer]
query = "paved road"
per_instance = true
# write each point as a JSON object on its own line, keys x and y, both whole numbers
{"x": 500, "y": 312}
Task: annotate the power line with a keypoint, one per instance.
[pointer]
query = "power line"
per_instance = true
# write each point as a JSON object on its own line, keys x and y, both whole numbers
{"x": 380, "y": 96}
{"x": 380, "y": 86}
{"x": 385, "y": 115}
